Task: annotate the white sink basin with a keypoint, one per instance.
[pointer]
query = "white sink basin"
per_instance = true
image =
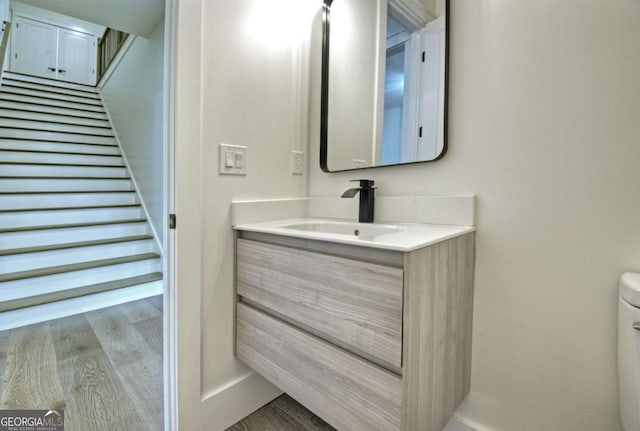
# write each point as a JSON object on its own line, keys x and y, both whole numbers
{"x": 360, "y": 230}
{"x": 400, "y": 237}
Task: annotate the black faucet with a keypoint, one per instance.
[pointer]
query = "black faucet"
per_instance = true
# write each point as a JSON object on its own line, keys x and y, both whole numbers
{"x": 367, "y": 191}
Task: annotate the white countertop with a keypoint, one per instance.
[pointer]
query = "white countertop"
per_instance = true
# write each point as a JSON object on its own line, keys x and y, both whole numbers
{"x": 403, "y": 237}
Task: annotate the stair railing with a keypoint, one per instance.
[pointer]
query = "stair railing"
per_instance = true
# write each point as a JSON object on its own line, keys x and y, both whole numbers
{"x": 4, "y": 44}
{"x": 108, "y": 47}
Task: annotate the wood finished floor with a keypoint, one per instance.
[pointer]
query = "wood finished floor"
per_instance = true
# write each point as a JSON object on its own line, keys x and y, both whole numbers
{"x": 104, "y": 368}
{"x": 282, "y": 414}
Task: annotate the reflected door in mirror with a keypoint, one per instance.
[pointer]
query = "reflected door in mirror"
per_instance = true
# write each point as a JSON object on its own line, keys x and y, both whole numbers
{"x": 384, "y": 84}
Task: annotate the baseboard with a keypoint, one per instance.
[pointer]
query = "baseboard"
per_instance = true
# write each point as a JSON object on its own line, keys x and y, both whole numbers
{"x": 69, "y": 307}
{"x": 235, "y": 401}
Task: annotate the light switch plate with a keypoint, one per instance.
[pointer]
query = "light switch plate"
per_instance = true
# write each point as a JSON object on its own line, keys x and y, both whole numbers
{"x": 232, "y": 159}
{"x": 297, "y": 162}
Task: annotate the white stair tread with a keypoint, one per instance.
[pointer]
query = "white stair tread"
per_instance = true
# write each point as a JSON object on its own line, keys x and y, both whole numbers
{"x": 33, "y": 171}
{"x": 74, "y": 245}
{"x": 48, "y": 87}
{"x": 55, "y": 110}
{"x": 15, "y": 202}
{"x": 45, "y": 312}
{"x": 50, "y": 95}
{"x": 39, "y": 135}
{"x": 17, "y": 185}
{"x": 36, "y": 79}
{"x": 73, "y": 276}
{"x": 58, "y": 147}
{"x": 79, "y": 292}
{"x": 52, "y": 118}
{"x": 31, "y": 218}
{"x": 28, "y": 228}
{"x": 28, "y": 261}
{"x": 50, "y": 102}
{"x": 55, "y": 127}
{"x": 59, "y": 235}
{"x": 8, "y": 156}
{"x": 61, "y": 269}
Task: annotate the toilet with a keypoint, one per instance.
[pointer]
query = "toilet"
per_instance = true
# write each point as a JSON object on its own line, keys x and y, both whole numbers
{"x": 629, "y": 350}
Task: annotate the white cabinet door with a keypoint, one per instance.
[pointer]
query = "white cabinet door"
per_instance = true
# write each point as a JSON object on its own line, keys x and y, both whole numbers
{"x": 77, "y": 56}
{"x": 50, "y": 51}
{"x": 34, "y": 48}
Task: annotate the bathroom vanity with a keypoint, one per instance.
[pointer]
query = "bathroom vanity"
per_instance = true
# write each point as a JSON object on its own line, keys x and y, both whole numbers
{"x": 368, "y": 326}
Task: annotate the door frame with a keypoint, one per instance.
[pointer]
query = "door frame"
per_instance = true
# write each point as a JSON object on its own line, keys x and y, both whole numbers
{"x": 182, "y": 197}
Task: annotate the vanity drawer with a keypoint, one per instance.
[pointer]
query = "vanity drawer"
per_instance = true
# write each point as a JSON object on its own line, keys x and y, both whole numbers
{"x": 356, "y": 305}
{"x": 346, "y": 391}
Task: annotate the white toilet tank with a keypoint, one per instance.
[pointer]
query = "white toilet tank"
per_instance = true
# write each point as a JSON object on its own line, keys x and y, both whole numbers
{"x": 629, "y": 350}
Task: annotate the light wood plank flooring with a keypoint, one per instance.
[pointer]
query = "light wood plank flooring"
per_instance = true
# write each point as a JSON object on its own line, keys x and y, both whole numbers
{"x": 104, "y": 368}
{"x": 282, "y": 414}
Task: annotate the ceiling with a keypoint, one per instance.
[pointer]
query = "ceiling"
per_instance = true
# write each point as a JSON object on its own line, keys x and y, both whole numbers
{"x": 138, "y": 17}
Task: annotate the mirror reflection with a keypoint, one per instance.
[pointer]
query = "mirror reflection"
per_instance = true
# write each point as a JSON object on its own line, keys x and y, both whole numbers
{"x": 384, "y": 83}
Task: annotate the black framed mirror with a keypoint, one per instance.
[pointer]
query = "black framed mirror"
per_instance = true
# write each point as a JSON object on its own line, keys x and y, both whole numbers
{"x": 384, "y": 83}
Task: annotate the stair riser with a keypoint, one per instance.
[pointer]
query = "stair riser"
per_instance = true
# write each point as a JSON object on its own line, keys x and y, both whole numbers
{"x": 51, "y": 95}
{"x": 54, "y": 127}
{"x": 38, "y": 135}
{"x": 47, "y": 87}
{"x": 21, "y": 219}
{"x": 29, "y": 261}
{"x": 50, "y": 102}
{"x": 16, "y": 144}
{"x": 22, "y": 202}
{"x": 35, "y": 79}
{"x": 59, "y": 159}
{"x": 11, "y": 290}
{"x": 39, "y": 238}
{"x": 49, "y": 185}
{"x": 36, "y": 109}
{"x": 51, "y": 118}
{"x": 9, "y": 170}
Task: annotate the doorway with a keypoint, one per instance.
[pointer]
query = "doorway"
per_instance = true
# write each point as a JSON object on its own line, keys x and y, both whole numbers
{"x": 81, "y": 355}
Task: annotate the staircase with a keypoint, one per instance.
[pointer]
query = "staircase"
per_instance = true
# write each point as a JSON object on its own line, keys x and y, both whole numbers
{"x": 73, "y": 235}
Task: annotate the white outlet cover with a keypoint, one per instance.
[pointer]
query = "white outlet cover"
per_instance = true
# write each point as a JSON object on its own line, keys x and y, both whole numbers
{"x": 359, "y": 163}
{"x": 232, "y": 159}
{"x": 297, "y": 162}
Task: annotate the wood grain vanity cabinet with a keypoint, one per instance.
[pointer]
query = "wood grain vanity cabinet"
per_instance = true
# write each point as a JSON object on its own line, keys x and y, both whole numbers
{"x": 366, "y": 338}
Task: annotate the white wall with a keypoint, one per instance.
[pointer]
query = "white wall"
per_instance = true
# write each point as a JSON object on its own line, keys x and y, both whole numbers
{"x": 254, "y": 86}
{"x": 544, "y": 129}
{"x": 133, "y": 97}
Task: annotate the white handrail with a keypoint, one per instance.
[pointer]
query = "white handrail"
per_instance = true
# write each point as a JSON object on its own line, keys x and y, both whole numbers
{"x": 6, "y": 29}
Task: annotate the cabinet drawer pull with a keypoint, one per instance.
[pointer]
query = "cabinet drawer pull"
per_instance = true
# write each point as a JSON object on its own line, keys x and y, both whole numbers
{"x": 636, "y": 326}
